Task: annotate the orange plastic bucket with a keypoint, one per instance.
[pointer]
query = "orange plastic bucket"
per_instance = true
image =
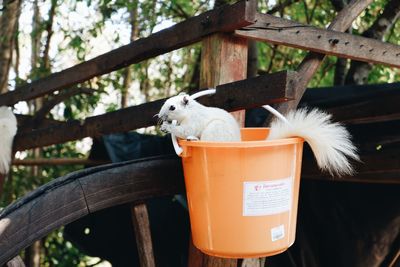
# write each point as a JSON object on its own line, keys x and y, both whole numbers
{"x": 243, "y": 196}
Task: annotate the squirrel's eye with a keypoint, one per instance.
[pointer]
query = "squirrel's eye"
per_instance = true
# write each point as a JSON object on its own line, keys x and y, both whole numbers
{"x": 172, "y": 108}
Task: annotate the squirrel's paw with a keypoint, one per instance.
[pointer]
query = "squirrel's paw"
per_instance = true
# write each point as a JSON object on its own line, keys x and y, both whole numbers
{"x": 166, "y": 127}
{"x": 192, "y": 138}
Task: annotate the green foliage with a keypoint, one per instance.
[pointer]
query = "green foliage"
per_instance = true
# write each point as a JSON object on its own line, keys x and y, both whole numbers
{"x": 62, "y": 253}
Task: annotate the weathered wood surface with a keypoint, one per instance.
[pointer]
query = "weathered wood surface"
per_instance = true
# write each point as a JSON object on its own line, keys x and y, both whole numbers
{"x": 312, "y": 61}
{"x": 27, "y": 221}
{"x": 293, "y": 34}
{"x": 141, "y": 225}
{"x": 266, "y": 89}
{"x": 75, "y": 195}
{"x": 224, "y": 19}
{"x": 28, "y": 122}
{"x": 224, "y": 60}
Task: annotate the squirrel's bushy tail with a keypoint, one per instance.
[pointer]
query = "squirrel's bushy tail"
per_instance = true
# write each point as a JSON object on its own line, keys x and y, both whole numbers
{"x": 8, "y": 129}
{"x": 329, "y": 141}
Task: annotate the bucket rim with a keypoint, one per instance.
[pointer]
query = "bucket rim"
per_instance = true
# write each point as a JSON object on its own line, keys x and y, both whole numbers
{"x": 244, "y": 144}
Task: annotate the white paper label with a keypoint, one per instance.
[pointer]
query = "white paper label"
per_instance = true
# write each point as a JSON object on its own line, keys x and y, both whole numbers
{"x": 267, "y": 197}
{"x": 277, "y": 233}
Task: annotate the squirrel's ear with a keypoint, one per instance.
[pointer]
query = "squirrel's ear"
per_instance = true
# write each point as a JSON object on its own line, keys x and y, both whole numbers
{"x": 185, "y": 100}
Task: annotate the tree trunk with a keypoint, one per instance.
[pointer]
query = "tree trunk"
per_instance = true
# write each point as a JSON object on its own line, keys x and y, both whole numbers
{"x": 49, "y": 29}
{"x": 32, "y": 258}
{"x": 359, "y": 71}
{"x": 17, "y": 55}
{"x": 339, "y": 76}
{"x": 35, "y": 36}
{"x": 32, "y": 254}
{"x": 8, "y": 24}
{"x": 2, "y": 181}
{"x": 339, "y": 4}
{"x": 127, "y": 72}
{"x": 252, "y": 61}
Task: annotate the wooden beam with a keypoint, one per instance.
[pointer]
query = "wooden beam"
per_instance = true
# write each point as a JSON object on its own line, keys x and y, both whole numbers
{"x": 289, "y": 33}
{"x": 223, "y": 19}
{"x": 75, "y": 195}
{"x": 312, "y": 61}
{"x": 23, "y": 223}
{"x": 266, "y": 89}
{"x": 141, "y": 226}
{"x": 224, "y": 60}
{"x": 28, "y": 122}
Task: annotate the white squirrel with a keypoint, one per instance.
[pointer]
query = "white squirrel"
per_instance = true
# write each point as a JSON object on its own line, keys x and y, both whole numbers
{"x": 186, "y": 118}
{"x": 329, "y": 141}
{"x": 8, "y": 129}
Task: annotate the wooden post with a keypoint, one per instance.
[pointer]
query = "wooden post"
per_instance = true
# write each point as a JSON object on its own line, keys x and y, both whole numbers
{"x": 141, "y": 225}
{"x": 224, "y": 60}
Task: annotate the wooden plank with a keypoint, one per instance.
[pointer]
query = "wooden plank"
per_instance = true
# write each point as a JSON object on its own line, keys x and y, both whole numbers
{"x": 253, "y": 92}
{"x": 39, "y": 213}
{"x": 132, "y": 184}
{"x": 141, "y": 225}
{"x": 289, "y": 33}
{"x": 73, "y": 196}
{"x": 195, "y": 256}
{"x": 223, "y": 60}
{"x": 28, "y": 122}
{"x": 224, "y": 19}
{"x": 312, "y": 61}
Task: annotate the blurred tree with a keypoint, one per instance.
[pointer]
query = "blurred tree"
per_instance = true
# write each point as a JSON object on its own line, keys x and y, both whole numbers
{"x": 9, "y": 14}
{"x": 359, "y": 71}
